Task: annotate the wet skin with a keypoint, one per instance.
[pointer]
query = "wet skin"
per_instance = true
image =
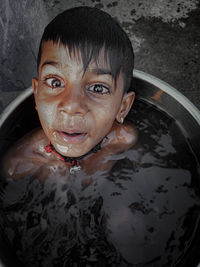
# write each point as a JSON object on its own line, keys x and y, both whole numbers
{"x": 77, "y": 110}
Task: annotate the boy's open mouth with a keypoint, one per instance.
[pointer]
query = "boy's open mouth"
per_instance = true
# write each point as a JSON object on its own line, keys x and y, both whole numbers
{"x": 71, "y": 137}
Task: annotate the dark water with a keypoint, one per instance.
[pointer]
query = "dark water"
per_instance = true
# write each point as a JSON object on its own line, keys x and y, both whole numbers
{"x": 144, "y": 212}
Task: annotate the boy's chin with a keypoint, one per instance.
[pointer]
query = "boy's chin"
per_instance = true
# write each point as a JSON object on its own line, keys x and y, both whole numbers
{"x": 75, "y": 147}
{"x": 71, "y": 150}
{"x": 70, "y": 145}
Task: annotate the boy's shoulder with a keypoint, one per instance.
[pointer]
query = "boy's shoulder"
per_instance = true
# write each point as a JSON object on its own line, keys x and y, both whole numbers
{"x": 25, "y": 155}
{"x": 123, "y": 135}
{"x": 28, "y": 155}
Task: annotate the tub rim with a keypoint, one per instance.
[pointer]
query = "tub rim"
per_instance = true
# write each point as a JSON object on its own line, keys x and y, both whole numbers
{"x": 168, "y": 89}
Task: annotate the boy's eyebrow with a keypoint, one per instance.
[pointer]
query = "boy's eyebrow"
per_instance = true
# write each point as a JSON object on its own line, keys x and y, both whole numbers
{"x": 100, "y": 71}
{"x": 53, "y": 63}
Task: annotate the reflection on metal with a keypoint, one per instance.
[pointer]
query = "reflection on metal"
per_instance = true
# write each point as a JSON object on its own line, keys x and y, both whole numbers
{"x": 169, "y": 90}
{"x": 158, "y": 96}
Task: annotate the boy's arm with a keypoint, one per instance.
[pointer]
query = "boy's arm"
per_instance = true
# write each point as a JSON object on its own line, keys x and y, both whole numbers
{"x": 22, "y": 159}
{"x": 14, "y": 166}
{"x": 121, "y": 138}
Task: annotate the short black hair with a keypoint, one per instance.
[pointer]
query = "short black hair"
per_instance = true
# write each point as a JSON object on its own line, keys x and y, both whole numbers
{"x": 88, "y": 30}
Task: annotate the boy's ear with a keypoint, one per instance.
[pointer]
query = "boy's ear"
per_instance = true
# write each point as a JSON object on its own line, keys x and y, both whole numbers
{"x": 126, "y": 104}
{"x": 35, "y": 85}
{"x": 35, "y": 89}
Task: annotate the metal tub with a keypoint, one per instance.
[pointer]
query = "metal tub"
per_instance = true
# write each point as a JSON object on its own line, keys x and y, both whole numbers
{"x": 20, "y": 117}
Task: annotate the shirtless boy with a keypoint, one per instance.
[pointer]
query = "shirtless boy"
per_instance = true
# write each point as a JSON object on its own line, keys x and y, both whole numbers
{"x": 85, "y": 65}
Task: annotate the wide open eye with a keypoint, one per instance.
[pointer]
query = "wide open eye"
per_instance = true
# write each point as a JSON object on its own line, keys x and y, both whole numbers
{"x": 99, "y": 89}
{"x": 54, "y": 82}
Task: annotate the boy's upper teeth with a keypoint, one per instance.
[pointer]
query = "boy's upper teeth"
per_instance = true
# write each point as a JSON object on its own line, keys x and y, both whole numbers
{"x": 75, "y": 133}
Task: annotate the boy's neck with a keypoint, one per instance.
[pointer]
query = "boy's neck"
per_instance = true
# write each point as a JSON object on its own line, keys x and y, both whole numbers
{"x": 74, "y": 162}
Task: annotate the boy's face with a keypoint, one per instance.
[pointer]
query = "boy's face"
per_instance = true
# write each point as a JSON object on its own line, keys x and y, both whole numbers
{"x": 76, "y": 109}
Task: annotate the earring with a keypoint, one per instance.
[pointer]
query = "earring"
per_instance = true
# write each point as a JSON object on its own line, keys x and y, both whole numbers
{"x": 121, "y": 120}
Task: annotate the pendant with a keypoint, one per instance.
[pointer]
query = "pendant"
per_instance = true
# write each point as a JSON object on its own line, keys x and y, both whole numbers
{"x": 75, "y": 169}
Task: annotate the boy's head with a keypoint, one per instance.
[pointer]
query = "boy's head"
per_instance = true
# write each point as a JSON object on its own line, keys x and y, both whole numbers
{"x": 88, "y": 31}
{"x": 85, "y": 65}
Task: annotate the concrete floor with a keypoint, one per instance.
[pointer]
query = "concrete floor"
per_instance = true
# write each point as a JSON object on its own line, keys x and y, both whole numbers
{"x": 165, "y": 35}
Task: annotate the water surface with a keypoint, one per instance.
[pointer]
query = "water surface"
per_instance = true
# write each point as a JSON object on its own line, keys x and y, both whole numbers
{"x": 143, "y": 212}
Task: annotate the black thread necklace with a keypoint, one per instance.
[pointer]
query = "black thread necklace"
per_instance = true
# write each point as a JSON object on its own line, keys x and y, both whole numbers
{"x": 74, "y": 162}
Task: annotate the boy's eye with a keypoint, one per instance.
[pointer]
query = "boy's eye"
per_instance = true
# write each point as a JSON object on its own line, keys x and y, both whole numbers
{"x": 99, "y": 89}
{"x": 54, "y": 82}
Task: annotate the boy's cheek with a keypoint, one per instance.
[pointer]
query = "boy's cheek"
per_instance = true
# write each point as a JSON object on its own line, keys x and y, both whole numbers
{"x": 46, "y": 114}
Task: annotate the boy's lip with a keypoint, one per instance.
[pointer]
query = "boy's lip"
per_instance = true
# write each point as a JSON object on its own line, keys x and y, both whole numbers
{"x": 72, "y": 136}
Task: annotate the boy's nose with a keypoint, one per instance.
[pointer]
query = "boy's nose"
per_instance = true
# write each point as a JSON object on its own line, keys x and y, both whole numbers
{"x": 72, "y": 103}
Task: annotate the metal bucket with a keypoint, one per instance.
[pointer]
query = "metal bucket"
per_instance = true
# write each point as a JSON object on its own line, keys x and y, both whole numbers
{"x": 20, "y": 117}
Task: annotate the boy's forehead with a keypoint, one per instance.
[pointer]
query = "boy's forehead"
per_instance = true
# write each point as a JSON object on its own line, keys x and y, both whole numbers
{"x": 59, "y": 55}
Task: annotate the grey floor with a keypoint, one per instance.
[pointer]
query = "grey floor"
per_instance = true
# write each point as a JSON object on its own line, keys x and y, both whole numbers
{"x": 165, "y": 36}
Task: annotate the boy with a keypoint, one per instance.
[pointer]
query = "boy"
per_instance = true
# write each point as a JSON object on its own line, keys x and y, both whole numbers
{"x": 52, "y": 208}
{"x": 85, "y": 65}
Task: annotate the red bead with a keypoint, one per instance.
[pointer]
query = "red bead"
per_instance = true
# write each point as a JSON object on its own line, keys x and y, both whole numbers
{"x": 48, "y": 149}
